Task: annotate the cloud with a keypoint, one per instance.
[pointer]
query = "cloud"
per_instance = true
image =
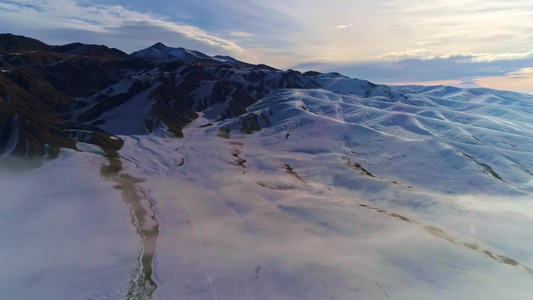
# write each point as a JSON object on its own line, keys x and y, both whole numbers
{"x": 107, "y": 21}
{"x": 487, "y": 57}
{"x": 423, "y": 53}
{"x": 487, "y": 30}
{"x": 344, "y": 26}
{"x": 408, "y": 54}
{"x": 456, "y": 70}
{"x": 416, "y": 69}
{"x": 240, "y": 34}
{"x": 425, "y": 43}
{"x": 521, "y": 80}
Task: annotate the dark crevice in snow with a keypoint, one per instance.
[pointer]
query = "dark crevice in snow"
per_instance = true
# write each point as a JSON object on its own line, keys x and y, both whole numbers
{"x": 143, "y": 217}
{"x": 291, "y": 171}
{"x": 239, "y": 160}
{"x": 439, "y": 233}
{"x": 356, "y": 166}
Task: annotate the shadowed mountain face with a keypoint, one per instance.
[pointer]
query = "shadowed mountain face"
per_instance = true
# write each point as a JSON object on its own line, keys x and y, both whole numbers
{"x": 53, "y": 96}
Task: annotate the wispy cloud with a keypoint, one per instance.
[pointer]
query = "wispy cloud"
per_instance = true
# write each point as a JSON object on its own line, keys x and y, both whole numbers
{"x": 420, "y": 53}
{"x": 455, "y": 70}
{"x": 108, "y": 20}
{"x": 521, "y": 80}
{"x": 486, "y": 30}
{"x": 240, "y": 34}
{"x": 424, "y": 53}
{"x": 482, "y": 57}
{"x": 344, "y": 26}
{"x": 398, "y": 29}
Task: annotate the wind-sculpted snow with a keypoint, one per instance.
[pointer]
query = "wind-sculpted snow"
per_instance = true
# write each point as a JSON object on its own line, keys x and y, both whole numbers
{"x": 444, "y": 148}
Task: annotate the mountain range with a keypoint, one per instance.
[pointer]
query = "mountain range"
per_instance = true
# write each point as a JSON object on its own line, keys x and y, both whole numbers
{"x": 54, "y": 95}
{"x": 170, "y": 172}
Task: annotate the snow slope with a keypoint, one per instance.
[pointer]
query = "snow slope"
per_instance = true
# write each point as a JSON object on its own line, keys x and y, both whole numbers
{"x": 321, "y": 205}
{"x": 160, "y": 51}
{"x": 65, "y": 233}
{"x": 354, "y": 191}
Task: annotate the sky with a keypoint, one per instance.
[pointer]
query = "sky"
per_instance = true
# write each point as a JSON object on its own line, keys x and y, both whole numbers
{"x": 467, "y": 43}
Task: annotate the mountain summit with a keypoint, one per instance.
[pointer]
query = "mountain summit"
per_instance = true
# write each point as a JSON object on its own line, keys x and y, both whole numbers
{"x": 160, "y": 51}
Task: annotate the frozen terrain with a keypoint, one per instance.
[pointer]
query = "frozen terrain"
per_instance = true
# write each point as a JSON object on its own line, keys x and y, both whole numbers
{"x": 65, "y": 233}
{"x": 337, "y": 193}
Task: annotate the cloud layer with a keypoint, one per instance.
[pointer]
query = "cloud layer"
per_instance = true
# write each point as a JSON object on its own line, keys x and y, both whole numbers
{"x": 461, "y": 71}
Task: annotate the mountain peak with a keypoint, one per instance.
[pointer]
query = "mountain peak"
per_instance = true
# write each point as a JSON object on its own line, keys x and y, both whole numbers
{"x": 160, "y": 51}
{"x": 159, "y": 46}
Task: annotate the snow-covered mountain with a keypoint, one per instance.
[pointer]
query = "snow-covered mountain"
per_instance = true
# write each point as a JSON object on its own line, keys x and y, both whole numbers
{"x": 160, "y": 51}
{"x": 179, "y": 175}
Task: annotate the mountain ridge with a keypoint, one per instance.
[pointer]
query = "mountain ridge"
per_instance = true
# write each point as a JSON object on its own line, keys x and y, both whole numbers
{"x": 160, "y": 51}
{"x": 10, "y": 43}
{"x": 51, "y": 100}
{"x": 43, "y": 82}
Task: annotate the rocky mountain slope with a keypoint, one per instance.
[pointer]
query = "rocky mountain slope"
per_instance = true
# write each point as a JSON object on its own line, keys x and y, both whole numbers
{"x": 51, "y": 96}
